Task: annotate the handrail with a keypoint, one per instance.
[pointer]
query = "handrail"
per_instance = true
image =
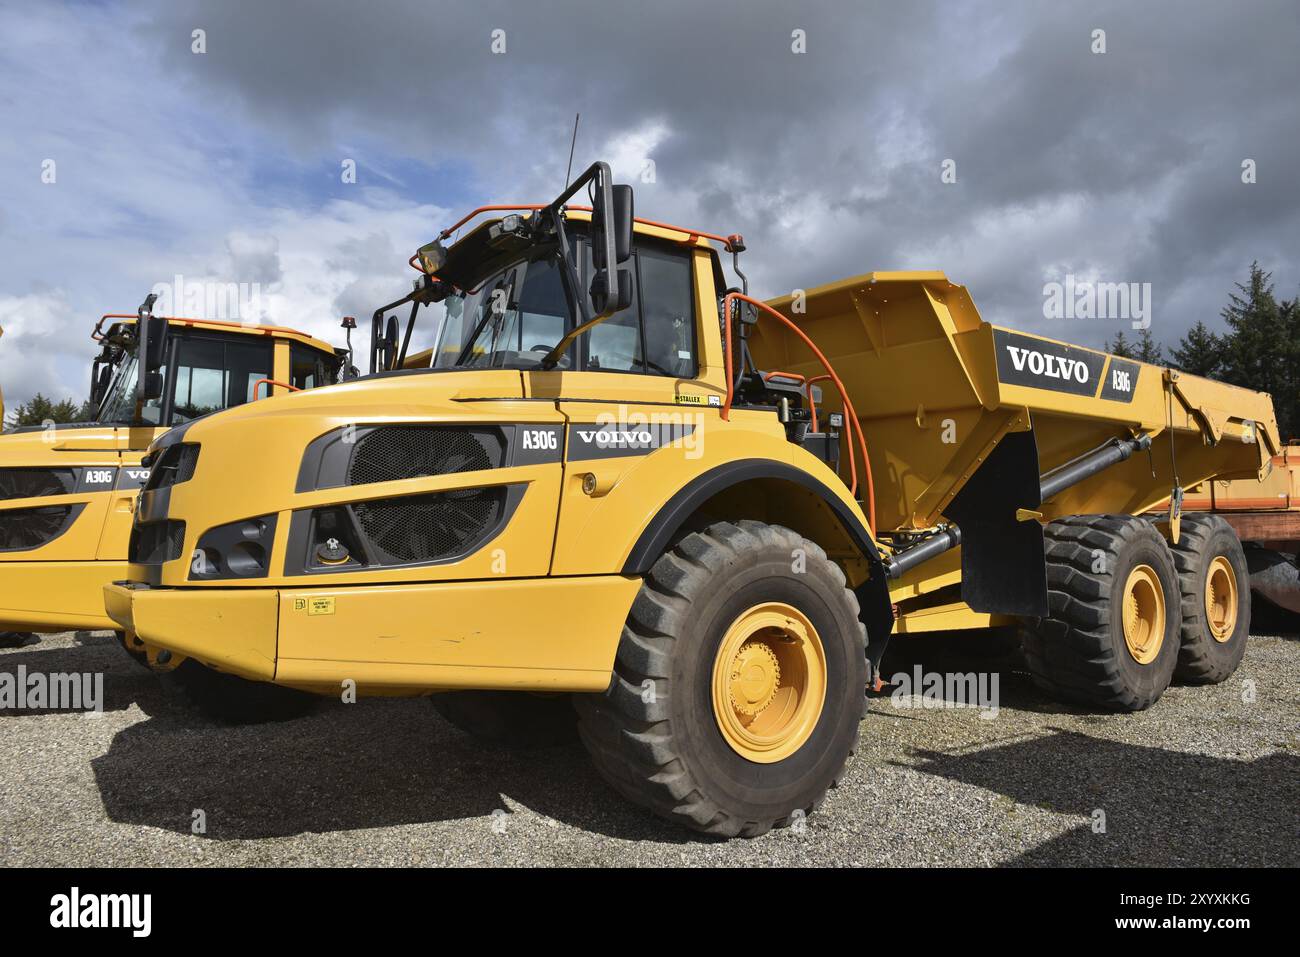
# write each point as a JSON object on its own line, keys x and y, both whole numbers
{"x": 95, "y": 334}
{"x": 276, "y": 382}
{"x": 851, "y": 424}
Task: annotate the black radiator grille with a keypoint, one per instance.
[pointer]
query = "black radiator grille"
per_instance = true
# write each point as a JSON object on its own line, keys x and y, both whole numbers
{"x": 175, "y": 465}
{"x": 156, "y": 542}
{"x": 34, "y": 483}
{"x": 429, "y": 528}
{"x": 394, "y": 452}
{"x": 23, "y": 528}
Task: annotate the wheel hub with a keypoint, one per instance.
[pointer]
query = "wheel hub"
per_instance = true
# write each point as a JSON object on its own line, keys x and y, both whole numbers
{"x": 1144, "y": 614}
{"x": 1221, "y": 599}
{"x": 755, "y": 678}
{"x": 769, "y": 682}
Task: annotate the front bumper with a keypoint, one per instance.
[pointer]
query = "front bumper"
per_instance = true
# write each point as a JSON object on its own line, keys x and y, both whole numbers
{"x": 538, "y": 634}
{"x": 56, "y": 596}
{"x": 232, "y": 630}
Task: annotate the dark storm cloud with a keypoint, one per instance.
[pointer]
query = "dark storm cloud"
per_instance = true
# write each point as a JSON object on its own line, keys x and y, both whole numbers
{"x": 1124, "y": 165}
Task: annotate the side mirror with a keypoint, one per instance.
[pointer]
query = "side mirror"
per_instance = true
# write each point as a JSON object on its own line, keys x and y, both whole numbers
{"x": 101, "y": 375}
{"x": 602, "y": 301}
{"x": 614, "y": 220}
{"x": 389, "y": 346}
{"x": 611, "y": 234}
{"x": 151, "y": 335}
{"x": 152, "y": 385}
{"x": 155, "y": 355}
{"x": 622, "y": 223}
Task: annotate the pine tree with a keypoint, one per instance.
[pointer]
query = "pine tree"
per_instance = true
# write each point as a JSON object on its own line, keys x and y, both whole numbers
{"x": 1287, "y": 401}
{"x": 40, "y": 410}
{"x": 1258, "y": 353}
{"x": 1120, "y": 347}
{"x": 1148, "y": 350}
{"x": 1200, "y": 352}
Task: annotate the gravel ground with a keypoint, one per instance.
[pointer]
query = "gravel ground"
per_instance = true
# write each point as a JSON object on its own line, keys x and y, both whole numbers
{"x": 1206, "y": 777}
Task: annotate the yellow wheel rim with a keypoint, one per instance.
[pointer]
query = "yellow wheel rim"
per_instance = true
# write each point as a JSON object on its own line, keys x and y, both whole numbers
{"x": 769, "y": 682}
{"x": 1221, "y": 599}
{"x": 1144, "y": 614}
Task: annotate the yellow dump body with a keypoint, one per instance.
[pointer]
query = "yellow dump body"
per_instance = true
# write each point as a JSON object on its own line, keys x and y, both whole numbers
{"x": 935, "y": 388}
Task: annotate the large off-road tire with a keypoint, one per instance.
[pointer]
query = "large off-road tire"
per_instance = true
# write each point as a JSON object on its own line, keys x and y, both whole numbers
{"x": 230, "y": 699}
{"x": 1111, "y": 638}
{"x": 1215, "y": 583}
{"x": 738, "y": 686}
{"x": 511, "y": 719}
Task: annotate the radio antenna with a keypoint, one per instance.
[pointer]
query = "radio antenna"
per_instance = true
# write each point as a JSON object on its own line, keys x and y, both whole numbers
{"x": 572, "y": 144}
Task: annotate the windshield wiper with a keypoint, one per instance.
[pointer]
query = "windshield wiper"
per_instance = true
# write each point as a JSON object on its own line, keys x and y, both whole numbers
{"x": 488, "y": 315}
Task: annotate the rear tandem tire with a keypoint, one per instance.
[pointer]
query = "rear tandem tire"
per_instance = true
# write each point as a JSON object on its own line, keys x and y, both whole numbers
{"x": 230, "y": 699}
{"x": 739, "y": 683}
{"x": 1209, "y": 558}
{"x": 510, "y": 719}
{"x": 1100, "y": 569}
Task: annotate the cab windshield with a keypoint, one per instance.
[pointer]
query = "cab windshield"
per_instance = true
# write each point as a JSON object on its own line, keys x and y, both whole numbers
{"x": 118, "y": 407}
{"x": 511, "y": 320}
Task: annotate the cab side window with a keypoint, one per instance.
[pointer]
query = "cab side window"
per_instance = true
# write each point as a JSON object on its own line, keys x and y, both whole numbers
{"x": 667, "y": 310}
{"x": 306, "y": 370}
{"x": 615, "y": 345}
{"x": 214, "y": 374}
{"x": 656, "y": 333}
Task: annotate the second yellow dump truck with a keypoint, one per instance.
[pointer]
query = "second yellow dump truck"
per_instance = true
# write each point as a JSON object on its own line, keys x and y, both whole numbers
{"x": 1266, "y": 517}
{"x": 621, "y": 488}
{"x": 68, "y": 490}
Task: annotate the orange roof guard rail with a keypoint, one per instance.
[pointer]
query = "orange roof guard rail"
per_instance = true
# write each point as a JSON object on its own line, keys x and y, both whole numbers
{"x": 691, "y": 234}
{"x": 98, "y": 336}
{"x": 851, "y": 425}
{"x": 263, "y": 330}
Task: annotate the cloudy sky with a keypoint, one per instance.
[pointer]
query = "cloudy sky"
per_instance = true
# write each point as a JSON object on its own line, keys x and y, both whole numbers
{"x": 827, "y": 147}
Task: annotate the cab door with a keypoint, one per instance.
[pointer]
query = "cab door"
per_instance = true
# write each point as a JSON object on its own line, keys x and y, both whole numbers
{"x": 635, "y": 405}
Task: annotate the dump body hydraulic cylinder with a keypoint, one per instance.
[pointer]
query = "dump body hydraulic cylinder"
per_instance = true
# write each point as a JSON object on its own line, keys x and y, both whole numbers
{"x": 924, "y": 550}
{"x": 1072, "y": 473}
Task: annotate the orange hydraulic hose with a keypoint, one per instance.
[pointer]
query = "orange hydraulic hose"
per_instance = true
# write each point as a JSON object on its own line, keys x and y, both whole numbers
{"x": 812, "y": 403}
{"x": 851, "y": 424}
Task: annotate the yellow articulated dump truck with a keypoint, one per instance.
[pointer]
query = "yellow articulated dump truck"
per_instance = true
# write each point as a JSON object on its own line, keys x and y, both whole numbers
{"x": 619, "y": 493}
{"x": 67, "y": 491}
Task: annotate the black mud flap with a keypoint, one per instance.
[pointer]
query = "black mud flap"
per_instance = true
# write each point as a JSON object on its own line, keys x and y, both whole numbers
{"x": 877, "y": 613}
{"x": 1003, "y": 567}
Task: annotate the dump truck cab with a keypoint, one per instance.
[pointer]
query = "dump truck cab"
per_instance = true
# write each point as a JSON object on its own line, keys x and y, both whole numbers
{"x": 625, "y": 487}
{"x": 67, "y": 490}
